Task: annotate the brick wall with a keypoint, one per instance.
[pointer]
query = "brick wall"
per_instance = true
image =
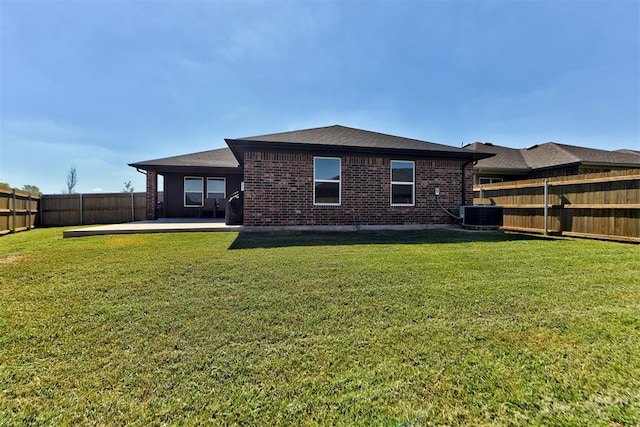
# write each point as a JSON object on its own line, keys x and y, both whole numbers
{"x": 279, "y": 191}
{"x": 468, "y": 184}
{"x": 152, "y": 194}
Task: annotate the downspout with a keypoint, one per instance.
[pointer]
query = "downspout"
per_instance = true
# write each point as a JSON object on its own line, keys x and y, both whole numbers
{"x": 147, "y": 208}
{"x": 353, "y": 216}
{"x": 464, "y": 182}
{"x": 133, "y": 206}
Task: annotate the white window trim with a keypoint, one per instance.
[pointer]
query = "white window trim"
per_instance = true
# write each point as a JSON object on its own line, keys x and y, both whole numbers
{"x": 184, "y": 192}
{"x": 339, "y": 181}
{"x": 413, "y": 184}
{"x": 491, "y": 180}
{"x": 224, "y": 183}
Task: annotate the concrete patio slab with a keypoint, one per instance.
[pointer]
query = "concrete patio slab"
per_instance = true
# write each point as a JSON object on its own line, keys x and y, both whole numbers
{"x": 163, "y": 225}
{"x": 183, "y": 225}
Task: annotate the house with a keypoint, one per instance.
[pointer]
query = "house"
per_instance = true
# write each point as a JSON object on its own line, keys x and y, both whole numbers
{"x": 546, "y": 160}
{"x": 327, "y": 176}
{"x": 190, "y": 180}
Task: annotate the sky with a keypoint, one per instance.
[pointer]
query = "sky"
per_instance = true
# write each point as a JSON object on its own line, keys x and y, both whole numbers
{"x": 99, "y": 84}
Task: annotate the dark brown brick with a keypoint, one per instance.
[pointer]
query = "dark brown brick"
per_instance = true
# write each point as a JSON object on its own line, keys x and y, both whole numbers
{"x": 279, "y": 190}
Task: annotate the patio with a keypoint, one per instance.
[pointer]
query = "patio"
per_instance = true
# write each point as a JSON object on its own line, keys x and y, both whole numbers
{"x": 162, "y": 225}
{"x": 183, "y": 225}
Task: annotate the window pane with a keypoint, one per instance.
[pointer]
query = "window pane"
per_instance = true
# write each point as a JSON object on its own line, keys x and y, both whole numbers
{"x": 215, "y": 185}
{"x": 193, "y": 199}
{"x": 327, "y": 192}
{"x": 215, "y": 195}
{"x": 402, "y": 194}
{"x": 193, "y": 184}
{"x": 402, "y": 171}
{"x": 215, "y": 188}
{"x": 327, "y": 169}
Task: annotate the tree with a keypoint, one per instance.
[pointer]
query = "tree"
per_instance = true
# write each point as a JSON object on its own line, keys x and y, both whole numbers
{"x": 72, "y": 180}
{"x": 31, "y": 189}
{"x": 5, "y": 184}
{"x": 128, "y": 188}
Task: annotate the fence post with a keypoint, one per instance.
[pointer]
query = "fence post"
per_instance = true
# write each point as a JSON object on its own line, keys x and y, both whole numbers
{"x": 133, "y": 208}
{"x": 546, "y": 207}
{"x": 80, "y": 208}
{"x": 13, "y": 198}
{"x": 29, "y": 212}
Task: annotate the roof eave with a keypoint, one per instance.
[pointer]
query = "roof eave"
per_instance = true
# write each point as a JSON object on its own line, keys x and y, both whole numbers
{"x": 161, "y": 169}
{"x": 611, "y": 164}
{"x": 501, "y": 170}
{"x": 235, "y": 149}
{"x": 238, "y": 146}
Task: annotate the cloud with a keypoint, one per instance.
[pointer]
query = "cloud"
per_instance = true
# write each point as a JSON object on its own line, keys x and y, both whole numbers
{"x": 40, "y": 128}
{"x": 250, "y": 42}
{"x": 45, "y": 135}
{"x": 41, "y": 151}
{"x": 269, "y": 32}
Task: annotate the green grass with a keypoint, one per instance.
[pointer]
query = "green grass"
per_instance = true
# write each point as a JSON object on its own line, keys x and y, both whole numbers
{"x": 390, "y": 329}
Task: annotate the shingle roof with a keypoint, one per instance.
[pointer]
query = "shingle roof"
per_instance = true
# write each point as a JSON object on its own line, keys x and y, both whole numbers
{"x": 330, "y": 137}
{"x": 346, "y": 138}
{"x": 627, "y": 151}
{"x": 550, "y": 154}
{"x": 222, "y": 157}
{"x": 337, "y": 135}
{"x": 505, "y": 157}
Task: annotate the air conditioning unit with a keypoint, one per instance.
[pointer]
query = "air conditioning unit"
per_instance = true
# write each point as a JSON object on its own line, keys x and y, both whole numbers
{"x": 481, "y": 216}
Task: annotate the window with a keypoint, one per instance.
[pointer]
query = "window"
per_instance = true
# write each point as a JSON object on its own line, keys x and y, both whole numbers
{"x": 193, "y": 189}
{"x": 216, "y": 188}
{"x": 402, "y": 183}
{"x": 485, "y": 180}
{"x": 326, "y": 180}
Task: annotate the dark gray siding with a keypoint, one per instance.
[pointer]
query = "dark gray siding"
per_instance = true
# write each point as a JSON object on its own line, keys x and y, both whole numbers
{"x": 174, "y": 192}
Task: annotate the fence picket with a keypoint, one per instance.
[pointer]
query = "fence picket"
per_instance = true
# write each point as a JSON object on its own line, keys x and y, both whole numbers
{"x": 16, "y": 210}
{"x": 604, "y": 205}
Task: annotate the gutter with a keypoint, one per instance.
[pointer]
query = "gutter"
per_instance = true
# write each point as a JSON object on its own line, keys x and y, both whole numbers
{"x": 237, "y": 146}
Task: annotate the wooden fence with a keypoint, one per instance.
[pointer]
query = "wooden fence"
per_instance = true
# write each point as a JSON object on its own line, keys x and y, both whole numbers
{"x": 18, "y": 210}
{"x": 99, "y": 208}
{"x": 600, "y": 205}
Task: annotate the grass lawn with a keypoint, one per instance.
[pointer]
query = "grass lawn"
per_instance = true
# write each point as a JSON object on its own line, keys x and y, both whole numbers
{"x": 390, "y": 329}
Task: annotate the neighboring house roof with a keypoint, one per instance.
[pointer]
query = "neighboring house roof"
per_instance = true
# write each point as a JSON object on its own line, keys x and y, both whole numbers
{"x": 627, "y": 151}
{"x": 220, "y": 158}
{"x": 551, "y": 155}
{"x": 334, "y": 138}
{"x": 505, "y": 157}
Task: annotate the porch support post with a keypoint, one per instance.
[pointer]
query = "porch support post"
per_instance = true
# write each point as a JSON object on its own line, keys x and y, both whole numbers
{"x": 152, "y": 194}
